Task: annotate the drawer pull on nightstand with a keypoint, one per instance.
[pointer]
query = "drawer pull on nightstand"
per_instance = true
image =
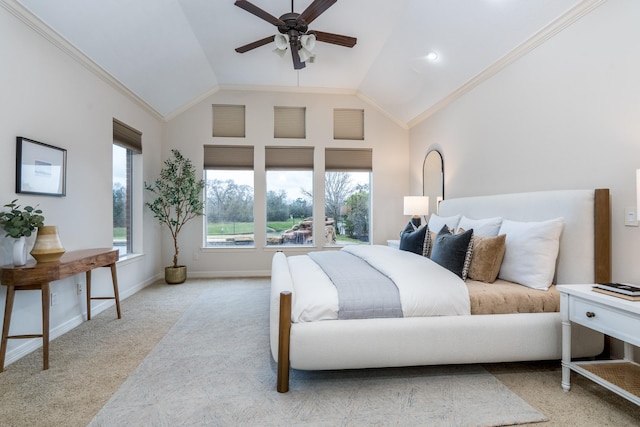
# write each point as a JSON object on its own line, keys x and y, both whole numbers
{"x": 590, "y": 314}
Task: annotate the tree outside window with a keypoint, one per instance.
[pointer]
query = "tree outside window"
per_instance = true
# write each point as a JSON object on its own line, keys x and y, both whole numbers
{"x": 229, "y": 207}
{"x": 289, "y": 207}
{"x": 348, "y": 206}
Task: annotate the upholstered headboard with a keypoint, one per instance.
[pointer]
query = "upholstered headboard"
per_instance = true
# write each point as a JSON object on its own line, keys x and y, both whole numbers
{"x": 585, "y": 242}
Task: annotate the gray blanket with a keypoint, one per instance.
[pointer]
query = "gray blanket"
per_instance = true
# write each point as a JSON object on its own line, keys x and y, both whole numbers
{"x": 363, "y": 292}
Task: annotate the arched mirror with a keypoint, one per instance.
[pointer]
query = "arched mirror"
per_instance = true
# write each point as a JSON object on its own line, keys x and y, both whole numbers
{"x": 433, "y": 179}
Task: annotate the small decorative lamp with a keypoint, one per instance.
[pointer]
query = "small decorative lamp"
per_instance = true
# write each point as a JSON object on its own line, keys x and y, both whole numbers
{"x": 416, "y": 206}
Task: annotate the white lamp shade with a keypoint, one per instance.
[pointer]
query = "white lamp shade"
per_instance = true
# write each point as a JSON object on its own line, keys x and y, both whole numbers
{"x": 308, "y": 41}
{"x": 416, "y": 205}
{"x": 280, "y": 52}
{"x": 282, "y": 41}
{"x": 305, "y": 54}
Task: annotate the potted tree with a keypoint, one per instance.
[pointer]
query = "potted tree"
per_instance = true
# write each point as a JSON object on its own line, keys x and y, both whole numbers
{"x": 20, "y": 223}
{"x": 177, "y": 194}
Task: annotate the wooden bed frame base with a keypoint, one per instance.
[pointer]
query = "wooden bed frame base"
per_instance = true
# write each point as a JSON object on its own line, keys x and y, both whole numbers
{"x": 602, "y": 273}
{"x": 284, "y": 340}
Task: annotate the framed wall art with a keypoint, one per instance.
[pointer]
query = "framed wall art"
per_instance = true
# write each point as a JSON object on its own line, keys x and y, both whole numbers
{"x": 40, "y": 168}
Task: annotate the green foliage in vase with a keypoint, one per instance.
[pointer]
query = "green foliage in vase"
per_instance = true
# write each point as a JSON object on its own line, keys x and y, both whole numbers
{"x": 177, "y": 194}
{"x": 18, "y": 222}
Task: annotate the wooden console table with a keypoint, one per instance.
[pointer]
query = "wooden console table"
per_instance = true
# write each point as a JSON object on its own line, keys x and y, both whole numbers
{"x": 38, "y": 276}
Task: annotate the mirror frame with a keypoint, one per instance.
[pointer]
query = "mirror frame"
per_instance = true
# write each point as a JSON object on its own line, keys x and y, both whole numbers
{"x": 433, "y": 203}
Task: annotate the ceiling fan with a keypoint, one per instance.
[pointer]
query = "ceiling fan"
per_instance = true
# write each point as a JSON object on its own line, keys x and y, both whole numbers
{"x": 294, "y": 31}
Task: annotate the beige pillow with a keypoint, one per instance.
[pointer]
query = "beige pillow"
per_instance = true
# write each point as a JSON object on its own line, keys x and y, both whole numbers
{"x": 488, "y": 253}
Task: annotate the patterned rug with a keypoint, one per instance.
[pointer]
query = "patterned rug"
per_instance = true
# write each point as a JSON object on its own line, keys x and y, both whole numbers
{"x": 214, "y": 368}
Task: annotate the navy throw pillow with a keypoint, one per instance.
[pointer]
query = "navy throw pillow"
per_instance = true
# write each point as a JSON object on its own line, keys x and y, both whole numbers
{"x": 416, "y": 241}
{"x": 453, "y": 251}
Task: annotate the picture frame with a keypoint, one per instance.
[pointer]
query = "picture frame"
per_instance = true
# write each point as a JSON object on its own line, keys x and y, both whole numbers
{"x": 40, "y": 168}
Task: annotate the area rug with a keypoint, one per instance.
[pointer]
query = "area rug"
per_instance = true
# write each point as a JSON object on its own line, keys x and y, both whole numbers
{"x": 214, "y": 368}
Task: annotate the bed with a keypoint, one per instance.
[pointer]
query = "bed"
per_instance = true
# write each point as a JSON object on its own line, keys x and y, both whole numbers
{"x": 583, "y": 256}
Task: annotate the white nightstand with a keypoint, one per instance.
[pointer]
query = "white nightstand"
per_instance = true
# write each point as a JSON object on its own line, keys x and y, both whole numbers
{"x": 393, "y": 244}
{"x": 613, "y": 316}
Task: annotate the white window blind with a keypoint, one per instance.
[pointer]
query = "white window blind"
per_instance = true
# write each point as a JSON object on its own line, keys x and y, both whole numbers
{"x": 229, "y": 121}
{"x": 289, "y": 122}
{"x": 348, "y": 124}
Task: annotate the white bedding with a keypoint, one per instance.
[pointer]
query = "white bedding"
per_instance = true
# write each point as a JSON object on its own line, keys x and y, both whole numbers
{"x": 425, "y": 288}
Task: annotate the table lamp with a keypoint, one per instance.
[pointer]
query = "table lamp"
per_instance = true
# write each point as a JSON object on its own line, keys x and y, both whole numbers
{"x": 416, "y": 206}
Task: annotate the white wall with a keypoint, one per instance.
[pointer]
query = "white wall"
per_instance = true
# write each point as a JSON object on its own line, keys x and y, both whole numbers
{"x": 50, "y": 97}
{"x": 567, "y": 115}
{"x": 190, "y": 131}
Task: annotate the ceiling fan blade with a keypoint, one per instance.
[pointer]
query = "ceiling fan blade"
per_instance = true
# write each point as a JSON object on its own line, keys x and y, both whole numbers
{"x": 255, "y": 10}
{"x": 297, "y": 63}
{"x": 315, "y": 9}
{"x": 255, "y": 44}
{"x": 338, "y": 39}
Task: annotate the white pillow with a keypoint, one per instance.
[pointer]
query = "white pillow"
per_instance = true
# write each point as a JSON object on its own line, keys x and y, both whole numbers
{"x": 437, "y": 222}
{"x": 487, "y": 227}
{"x": 531, "y": 252}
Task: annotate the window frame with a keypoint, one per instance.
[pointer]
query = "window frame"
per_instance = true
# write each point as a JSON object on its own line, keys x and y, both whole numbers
{"x": 130, "y": 139}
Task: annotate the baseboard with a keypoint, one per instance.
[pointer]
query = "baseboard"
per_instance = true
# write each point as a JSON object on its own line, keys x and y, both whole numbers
{"x": 227, "y": 274}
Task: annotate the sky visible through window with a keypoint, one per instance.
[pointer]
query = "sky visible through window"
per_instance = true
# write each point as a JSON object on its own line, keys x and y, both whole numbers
{"x": 119, "y": 165}
{"x": 290, "y": 181}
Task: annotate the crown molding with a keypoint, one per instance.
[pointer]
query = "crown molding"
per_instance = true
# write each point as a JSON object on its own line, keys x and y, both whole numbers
{"x": 566, "y": 20}
{"x": 387, "y": 114}
{"x": 198, "y": 99}
{"x": 41, "y": 28}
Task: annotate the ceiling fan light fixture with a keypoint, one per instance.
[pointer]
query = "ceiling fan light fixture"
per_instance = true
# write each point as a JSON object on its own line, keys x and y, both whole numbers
{"x": 308, "y": 41}
{"x": 306, "y": 55}
{"x": 282, "y": 42}
{"x": 280, "y": 52}
{"x": 292, "y": 28}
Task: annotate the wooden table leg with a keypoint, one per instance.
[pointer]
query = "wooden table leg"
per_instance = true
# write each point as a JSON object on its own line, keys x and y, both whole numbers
{"x": 116, "y": 294}
{"x": 8, "y": 307}
{"x": 45, "y": 325}
{"x": 114, "y": 279}
{"x": 88, "y": 276}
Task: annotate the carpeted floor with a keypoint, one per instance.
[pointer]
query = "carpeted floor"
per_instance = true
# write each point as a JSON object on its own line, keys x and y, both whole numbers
{"x": 105, "y": 358}
{"x": 214, "y": 368}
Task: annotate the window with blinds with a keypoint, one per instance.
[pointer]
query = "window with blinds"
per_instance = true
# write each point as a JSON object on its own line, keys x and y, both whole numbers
{"x": 229, "y": 121}
{"x": 127, "y": 145}
{"x": 348, "y": 195}
{"x": 289, "y": 122}
{"x": 289, "y": 177}
{"x": 348, "y": 124}
{"x": 229, "y": 197}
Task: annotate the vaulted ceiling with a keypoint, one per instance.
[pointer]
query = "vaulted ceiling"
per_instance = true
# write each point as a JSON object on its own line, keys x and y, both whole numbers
{"x": 172, "y": 52}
